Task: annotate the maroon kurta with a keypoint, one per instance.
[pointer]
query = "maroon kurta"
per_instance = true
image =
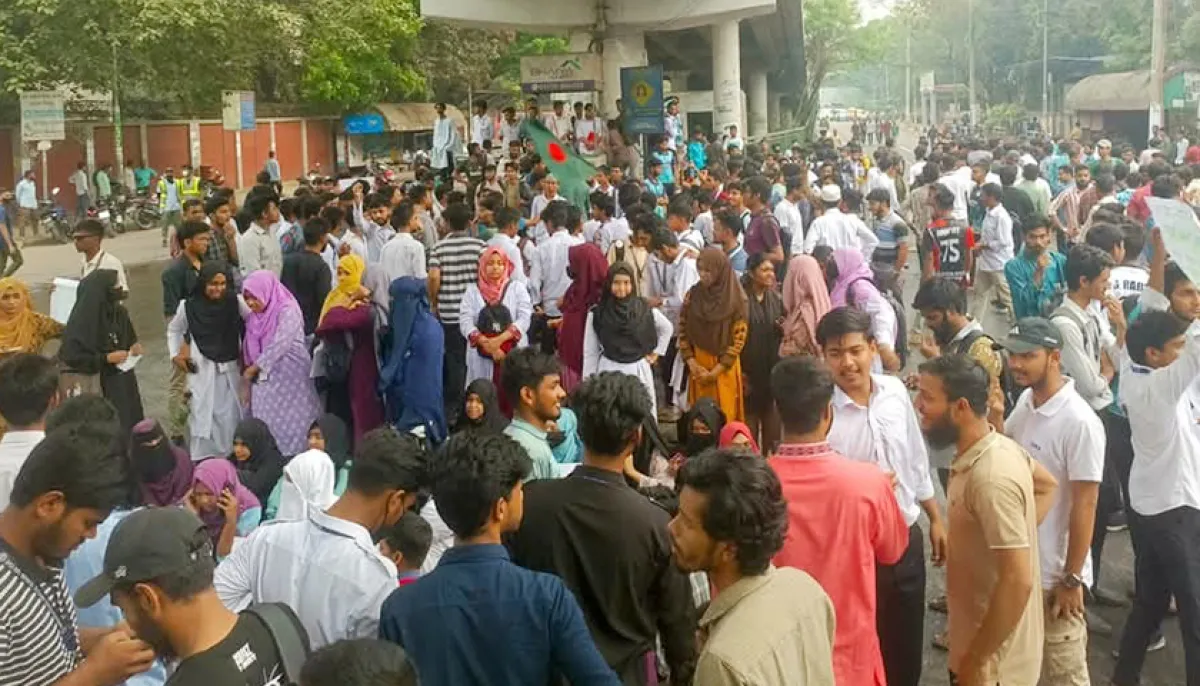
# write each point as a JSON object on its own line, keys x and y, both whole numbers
{"x": 365, "y": 406}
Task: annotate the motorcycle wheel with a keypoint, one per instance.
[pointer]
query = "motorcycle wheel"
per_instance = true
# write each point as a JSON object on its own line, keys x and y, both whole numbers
{"x": 144, "y": 219}
{"x": 118, "y": 224}
{"x": 61, "y": 231}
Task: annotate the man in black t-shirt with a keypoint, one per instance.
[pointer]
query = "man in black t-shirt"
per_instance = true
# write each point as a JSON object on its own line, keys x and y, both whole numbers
{"x": 158, "y": 568}
{"x": 306, "y": 273}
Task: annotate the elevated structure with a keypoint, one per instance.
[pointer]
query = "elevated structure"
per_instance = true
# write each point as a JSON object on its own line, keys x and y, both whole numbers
{"x": 718, "y": 51}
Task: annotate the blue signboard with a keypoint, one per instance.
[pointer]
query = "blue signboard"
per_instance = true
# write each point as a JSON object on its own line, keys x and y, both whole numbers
{"x": 642, "y": 99}
{"x": 248, "y": 118}
{"x": 363, "y": 124}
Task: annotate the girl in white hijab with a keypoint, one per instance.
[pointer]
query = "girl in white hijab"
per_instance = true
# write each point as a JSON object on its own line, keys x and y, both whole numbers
{"x": 308, "y": 481}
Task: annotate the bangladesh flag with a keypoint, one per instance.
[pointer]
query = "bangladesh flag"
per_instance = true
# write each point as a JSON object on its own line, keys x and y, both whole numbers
{"x": 571, "y": 170}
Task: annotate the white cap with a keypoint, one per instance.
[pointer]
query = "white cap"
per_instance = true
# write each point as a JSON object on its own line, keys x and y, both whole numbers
{"x": 831, "y": 193}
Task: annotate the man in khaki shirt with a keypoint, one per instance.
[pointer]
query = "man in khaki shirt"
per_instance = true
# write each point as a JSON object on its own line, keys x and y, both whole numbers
{"x": 997, "y": 494}
{"x": 766, "y": 626}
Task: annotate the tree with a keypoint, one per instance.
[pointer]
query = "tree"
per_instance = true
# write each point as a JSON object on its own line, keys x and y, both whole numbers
{"x": 832, "y": 42}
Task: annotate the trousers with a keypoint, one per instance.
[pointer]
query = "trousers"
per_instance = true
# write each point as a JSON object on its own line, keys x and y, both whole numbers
{"x": 900, "y": 612}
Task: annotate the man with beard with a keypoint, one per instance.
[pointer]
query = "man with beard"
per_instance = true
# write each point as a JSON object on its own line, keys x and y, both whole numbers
{"x": 1061, "y": 432}
{"x": 158, "y": 568}
{"x": 532, "y": 384}
{"x": 874, "y": 422}
{"x": 1037, "y": 275}
{"x": 609, "y": 543}
{"x": 67, "y": 486}
{"x": 837, "y": 544}
{"x": 997, "y": 496}
{"x": 326, "y": 566}
{"x": 767, "y": 626}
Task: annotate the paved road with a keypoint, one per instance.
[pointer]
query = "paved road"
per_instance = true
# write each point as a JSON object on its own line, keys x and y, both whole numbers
{"x": 144, "y": 258}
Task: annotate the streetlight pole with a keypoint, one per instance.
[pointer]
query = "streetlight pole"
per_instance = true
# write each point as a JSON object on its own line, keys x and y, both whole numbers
{"x": 118, "y": 127}
{"x": 1158, "y": 63}
{"x": 908, "y": 73}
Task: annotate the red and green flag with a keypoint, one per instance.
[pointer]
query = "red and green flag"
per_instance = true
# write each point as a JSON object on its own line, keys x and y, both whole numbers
{"x": 571, "y": 170}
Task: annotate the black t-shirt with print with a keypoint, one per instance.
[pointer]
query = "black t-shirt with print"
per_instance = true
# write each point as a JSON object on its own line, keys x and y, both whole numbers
{"x": 246, "y": 657}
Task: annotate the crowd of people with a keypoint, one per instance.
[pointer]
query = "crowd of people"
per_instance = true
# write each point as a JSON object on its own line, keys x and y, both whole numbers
{"x": 658, "y": 432}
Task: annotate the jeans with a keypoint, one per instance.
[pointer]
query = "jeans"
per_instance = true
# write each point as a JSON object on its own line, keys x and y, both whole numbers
{"x": 900, "y": 612}
{"x": 1168, "y": 564}
{"x": 454, "y": 372}
{"x": 9, "y": 253}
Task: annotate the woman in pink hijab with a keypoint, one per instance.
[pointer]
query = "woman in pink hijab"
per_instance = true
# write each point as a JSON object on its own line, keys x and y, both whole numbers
{"x": 853, "y": 285}
{"x": 737, "y": 435}
{"x": 805, "y": 301}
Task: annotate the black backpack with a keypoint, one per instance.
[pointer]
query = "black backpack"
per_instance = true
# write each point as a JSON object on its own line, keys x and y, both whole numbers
{"x": 288, "y": 635}
{"x": 339, "y": 351}
{"x": 1007, "y": 386}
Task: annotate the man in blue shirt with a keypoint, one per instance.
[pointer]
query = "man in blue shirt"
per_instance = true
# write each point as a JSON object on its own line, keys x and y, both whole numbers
{"x": 477, "y": 618}
{"x": 1037, "y": 276}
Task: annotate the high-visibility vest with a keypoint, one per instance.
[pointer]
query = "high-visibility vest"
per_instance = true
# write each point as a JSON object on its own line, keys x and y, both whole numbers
{"x": 162, "y": 193}
{"x": 189, "y": 188}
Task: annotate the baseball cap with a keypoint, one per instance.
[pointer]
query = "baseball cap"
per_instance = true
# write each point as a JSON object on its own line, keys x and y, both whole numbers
{"x": 831, "y": 193}
{"x": 1030, "y": 334}
{"x": 146, "y": 545}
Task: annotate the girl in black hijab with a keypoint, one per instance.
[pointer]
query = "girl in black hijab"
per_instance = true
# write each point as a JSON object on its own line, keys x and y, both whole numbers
{"x": 98, "y": 337}
{"x": 257, "y": 458}
{"x": 625, "y": 334}
{"x": 330, "y": 435}
{"x": 481, "y": 409}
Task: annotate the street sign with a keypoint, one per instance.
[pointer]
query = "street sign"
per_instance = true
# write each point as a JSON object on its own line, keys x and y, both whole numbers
{"x": 642, "y": 99}
{"x": 363, "y": 124}
{"x": 237, "y": 110}
{"x": 572, "y": 72}
{"x": 43, "y": 116}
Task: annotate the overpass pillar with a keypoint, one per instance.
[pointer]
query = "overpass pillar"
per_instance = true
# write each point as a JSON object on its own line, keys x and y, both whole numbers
{"x": 727, "y": 78}
{"x": 758, "y": 102}
{"x": 774, "y": 104}
{"x": 624, "y": 50}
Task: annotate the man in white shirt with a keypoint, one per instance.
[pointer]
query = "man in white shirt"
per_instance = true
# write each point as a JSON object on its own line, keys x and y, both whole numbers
{"x": 588, "y": 130}
{"x": 27, "y": 204}
{"x": 1159, "y": 393}
{"x": 404, "y": 255}
{"x": 607, "y": 230}
{"x": 28, "y": 391}
{"x": 510, "y": 128}
{"x": 1089, "y": 349}
{"x": 548, "y": 278}
{"x": 446, "y": 142}
{"x": 258, "y": 248}
{"x": 326, "y": 567}
{"x": 1059, "y": 430}
{"x": 88, "y": 236}
{"x": 787, "y": 213}
{"x": 958, "y": 180}
{"x": 993, "y": 250}
{"x": 837, "y": 228}
{"x": 672, "y": 274}
{"x": 549, "y": 194}
{"x": 874, "y": 421}
{"x": 734, "y": 141}
{"x": 82, "y": 200}
{"x": 483, "y": 130}
{"x": 559, "y": 122}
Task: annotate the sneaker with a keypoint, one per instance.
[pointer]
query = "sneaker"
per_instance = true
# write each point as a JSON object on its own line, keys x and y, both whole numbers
{"x": 1156, "y": 644}
{"x": 1117, "y": 523}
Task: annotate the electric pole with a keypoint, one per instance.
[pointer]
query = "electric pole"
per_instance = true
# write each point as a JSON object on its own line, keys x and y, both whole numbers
{"x": 971, "y": 62}
{"x": 908, "y": 73}
{"x": 1158, "y": 63}
{"x": 1046, "y": 64}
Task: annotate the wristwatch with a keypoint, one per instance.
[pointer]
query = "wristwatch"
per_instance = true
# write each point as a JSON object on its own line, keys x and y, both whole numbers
{"x": 1072, "y": 580}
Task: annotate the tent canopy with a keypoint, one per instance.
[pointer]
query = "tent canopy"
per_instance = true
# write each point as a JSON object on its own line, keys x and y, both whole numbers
{"x": 412, "y": 117}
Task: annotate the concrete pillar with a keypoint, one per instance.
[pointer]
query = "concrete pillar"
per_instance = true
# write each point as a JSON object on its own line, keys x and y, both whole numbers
{"x": 304, "y": 146}
{"x": 933, "y": 113}
{"x": 194, "y": 144}
{"x": 727, "y": 78}
{"x": 758, "y": 101}
{"x": 774, "y": 104}
{"x": 625, "y": 50}
{"x": 144, "y": 139}
{"x": 90, "y": 148}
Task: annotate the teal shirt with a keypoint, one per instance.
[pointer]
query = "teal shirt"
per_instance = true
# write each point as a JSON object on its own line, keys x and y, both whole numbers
{"x": 1028, "y": 301}
{"x": 533, "y": 440}
{"x": 142, "y": 176}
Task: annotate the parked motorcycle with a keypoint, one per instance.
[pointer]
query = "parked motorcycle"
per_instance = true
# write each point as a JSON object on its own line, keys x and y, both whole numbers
{"x": 52, "y": 217}
{"x": 145, "y": 212}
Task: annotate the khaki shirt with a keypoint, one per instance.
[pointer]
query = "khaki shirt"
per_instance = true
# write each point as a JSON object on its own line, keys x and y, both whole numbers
{"x": 770, "y": 630}
{"x": 992, "y": 508}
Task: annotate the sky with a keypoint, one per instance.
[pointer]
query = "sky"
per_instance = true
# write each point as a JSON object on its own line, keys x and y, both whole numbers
{"x": 874, "y": 9}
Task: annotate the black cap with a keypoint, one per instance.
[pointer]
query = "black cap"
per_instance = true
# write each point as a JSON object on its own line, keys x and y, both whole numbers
{"x": 146, "y": 545}
{"x": 1030, "y": 334}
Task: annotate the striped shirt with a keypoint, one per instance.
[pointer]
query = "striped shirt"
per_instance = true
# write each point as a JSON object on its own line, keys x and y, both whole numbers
{"x": 39, "y": 643}
{"x": 457, "y": 258}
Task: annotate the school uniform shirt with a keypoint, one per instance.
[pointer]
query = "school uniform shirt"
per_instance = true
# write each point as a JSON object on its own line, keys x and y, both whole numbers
{"x": 15, "y": 447}
{"x": 790, "y": 219}
{"x": 539, "y": 232}
{"x": 671, "y": 282}
{"x": 328, "y": 570}
{"x": 259, "y": 249}
{"x": 612, "y": 231}
{"x": 693, "y": 239}
{"x": 548, "y": 279}
{"x": 704, "y": 224}
{"x": 1162, "y": 408}
{"x": 997, "y": 240}
{"x": 886, "y": 433}
{"x": 960, "y": 185}
{"x": 1067, "y": 437}
{"x": 104, "y": 260}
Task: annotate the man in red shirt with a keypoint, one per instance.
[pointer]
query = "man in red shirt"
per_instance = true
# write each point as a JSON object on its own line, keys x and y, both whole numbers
{"x": 843, "y": 518}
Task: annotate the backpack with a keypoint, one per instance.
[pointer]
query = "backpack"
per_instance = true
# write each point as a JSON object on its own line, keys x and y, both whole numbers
{"x": 288, "y": 635}
{"x": 1007, "y": 385}
{"x": 339, "y": 351}
{"x": 901, "y": 345}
